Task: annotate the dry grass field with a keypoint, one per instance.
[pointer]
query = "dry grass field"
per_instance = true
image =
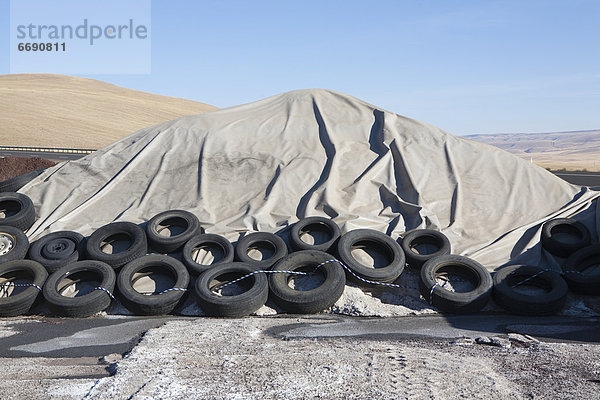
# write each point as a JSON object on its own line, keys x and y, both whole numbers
{"x": 49, "y": 110}
{"x": 578, "y": 150}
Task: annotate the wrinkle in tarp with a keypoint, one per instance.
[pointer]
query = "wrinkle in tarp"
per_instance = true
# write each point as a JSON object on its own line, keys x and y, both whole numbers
{"x": 262, "y": 166}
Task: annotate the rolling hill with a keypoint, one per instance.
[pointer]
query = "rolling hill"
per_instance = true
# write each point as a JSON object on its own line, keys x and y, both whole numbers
{"x": 49, "y": 110}
{"x": 577, "y": 150}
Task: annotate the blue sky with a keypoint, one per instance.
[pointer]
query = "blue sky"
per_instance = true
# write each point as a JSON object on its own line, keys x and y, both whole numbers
{"x": 464, "y": 66}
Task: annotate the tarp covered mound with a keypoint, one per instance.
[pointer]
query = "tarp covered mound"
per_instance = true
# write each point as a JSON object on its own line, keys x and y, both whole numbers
{"x": 264, "y": 165}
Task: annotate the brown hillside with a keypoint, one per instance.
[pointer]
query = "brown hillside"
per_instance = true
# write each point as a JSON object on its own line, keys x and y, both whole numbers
{"x": 571, "y": 150}
{"x": 49, "y": 110}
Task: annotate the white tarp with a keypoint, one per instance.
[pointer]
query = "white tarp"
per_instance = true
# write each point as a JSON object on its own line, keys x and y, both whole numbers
{"x": 264, "y": 165}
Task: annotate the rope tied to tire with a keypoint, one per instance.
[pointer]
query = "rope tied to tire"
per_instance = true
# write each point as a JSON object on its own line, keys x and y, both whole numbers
{"x": 104, "y": 290}
{"x": 433, "y": 287}
{"x": 572, "y": 271}
{"x": 531, "y": 277}
{"x": 260, "y": 272}
{"x": 175, "y": 289}
{"x": 3, "y": 286}
{"x": 563, "y": 273}
{"x": 307, "y": 273}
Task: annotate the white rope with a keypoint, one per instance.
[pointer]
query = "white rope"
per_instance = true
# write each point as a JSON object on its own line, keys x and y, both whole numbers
{"x": 175, "y": 289}
{"x": 21, "y": 284}
{"x": 530, "y": 278}
{"x": 307, "y": 273}
{"x": 104, "y": 290}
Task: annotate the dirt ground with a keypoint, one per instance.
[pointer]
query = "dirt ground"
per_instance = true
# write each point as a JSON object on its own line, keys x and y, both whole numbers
{"x": 15, "y": 166}
{"x": 248, "y": 359}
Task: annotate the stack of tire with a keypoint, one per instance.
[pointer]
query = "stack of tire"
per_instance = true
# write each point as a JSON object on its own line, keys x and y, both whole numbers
{"x": 569, "y": 243}
{"x": 237, "y": 284}
{"x": 20, "y": 280}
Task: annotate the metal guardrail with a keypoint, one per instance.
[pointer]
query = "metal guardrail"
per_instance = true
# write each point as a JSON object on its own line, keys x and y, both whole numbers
{"x": 48, "y": 150}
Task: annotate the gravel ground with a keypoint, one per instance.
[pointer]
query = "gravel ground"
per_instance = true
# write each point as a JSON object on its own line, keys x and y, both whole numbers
{"x": 15, "y": 166}
{"x": 187, "y": 359}
{"x": 246, "y": 359}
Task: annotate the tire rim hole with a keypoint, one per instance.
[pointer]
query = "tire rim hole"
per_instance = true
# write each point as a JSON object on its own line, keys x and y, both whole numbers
{"x": 566, "y": 233}
{"x": 10, "y": 283}
{"x": 57, "y": 247}
{"x": 456, "y": 279}
{"x": 313, "y": 280}
{"x": 371, "y": 254}
{"x": 425, "y": 246}
{"x": 260, "y": 251}
{"x": 207, "y": 254}
{"x": 230, "y": 290}
{"x": 8, "y": 208}
{"x": 116, "y": 243}
{"x": 172, "y": 227}
{"x": 315, "y": 234}
{"x": 533, "y": 287}
{"x": 153, "y": 280}
{"x": 79, "y": 283}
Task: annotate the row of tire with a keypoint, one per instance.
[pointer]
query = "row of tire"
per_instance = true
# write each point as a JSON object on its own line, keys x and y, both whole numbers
{"x": 63, "y": 254}
{"x": 571, "y": 244}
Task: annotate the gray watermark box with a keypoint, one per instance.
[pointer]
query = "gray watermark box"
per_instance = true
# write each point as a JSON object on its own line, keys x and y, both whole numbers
{"x": 80, "y": 37}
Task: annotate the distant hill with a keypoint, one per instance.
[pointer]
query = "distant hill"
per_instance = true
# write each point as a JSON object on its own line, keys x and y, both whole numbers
{"x": 49, "y": 110}
{"x": 575, "y": 150}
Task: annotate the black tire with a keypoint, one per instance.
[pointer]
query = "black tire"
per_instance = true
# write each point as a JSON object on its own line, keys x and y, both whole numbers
{"x": 206, "y": 239}
{"x": 138, "y": 247}
{"x": 577, "y": 263}
{"x": 309, "y": 301}
{"x": 57, "y": 249}
{"x": 24, "y": 216}
{"x": 87, "y": 304}
{"x": 331, "y": 227}
{"x": 156, "y": 304}
{"x": 13, "y": 244}
{"x": 234, "y": 306}
{"x": 251, "y": 240}
{"x": 555, "y": 245}
{"x": 424, "y": 236}
{"x": 456, "y": 302}
{"x": 548, "y": 303}
{"x": 376, "y": 239}
{"x": 170, "y": 244}
{"x": 21, "y": 302}
{"x": 16, "y": 183}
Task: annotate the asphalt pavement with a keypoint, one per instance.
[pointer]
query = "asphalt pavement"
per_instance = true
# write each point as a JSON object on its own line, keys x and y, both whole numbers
{"x": 50, "y": 155}
{"x": 74, "y": 337}
{"x": 436, "y": 327}
{"x": 95, "y": 337}
{"x": 580, "y": 178}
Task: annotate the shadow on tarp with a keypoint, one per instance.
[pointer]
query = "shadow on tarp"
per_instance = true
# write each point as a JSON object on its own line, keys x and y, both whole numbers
{"x": 536, "y": 255}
